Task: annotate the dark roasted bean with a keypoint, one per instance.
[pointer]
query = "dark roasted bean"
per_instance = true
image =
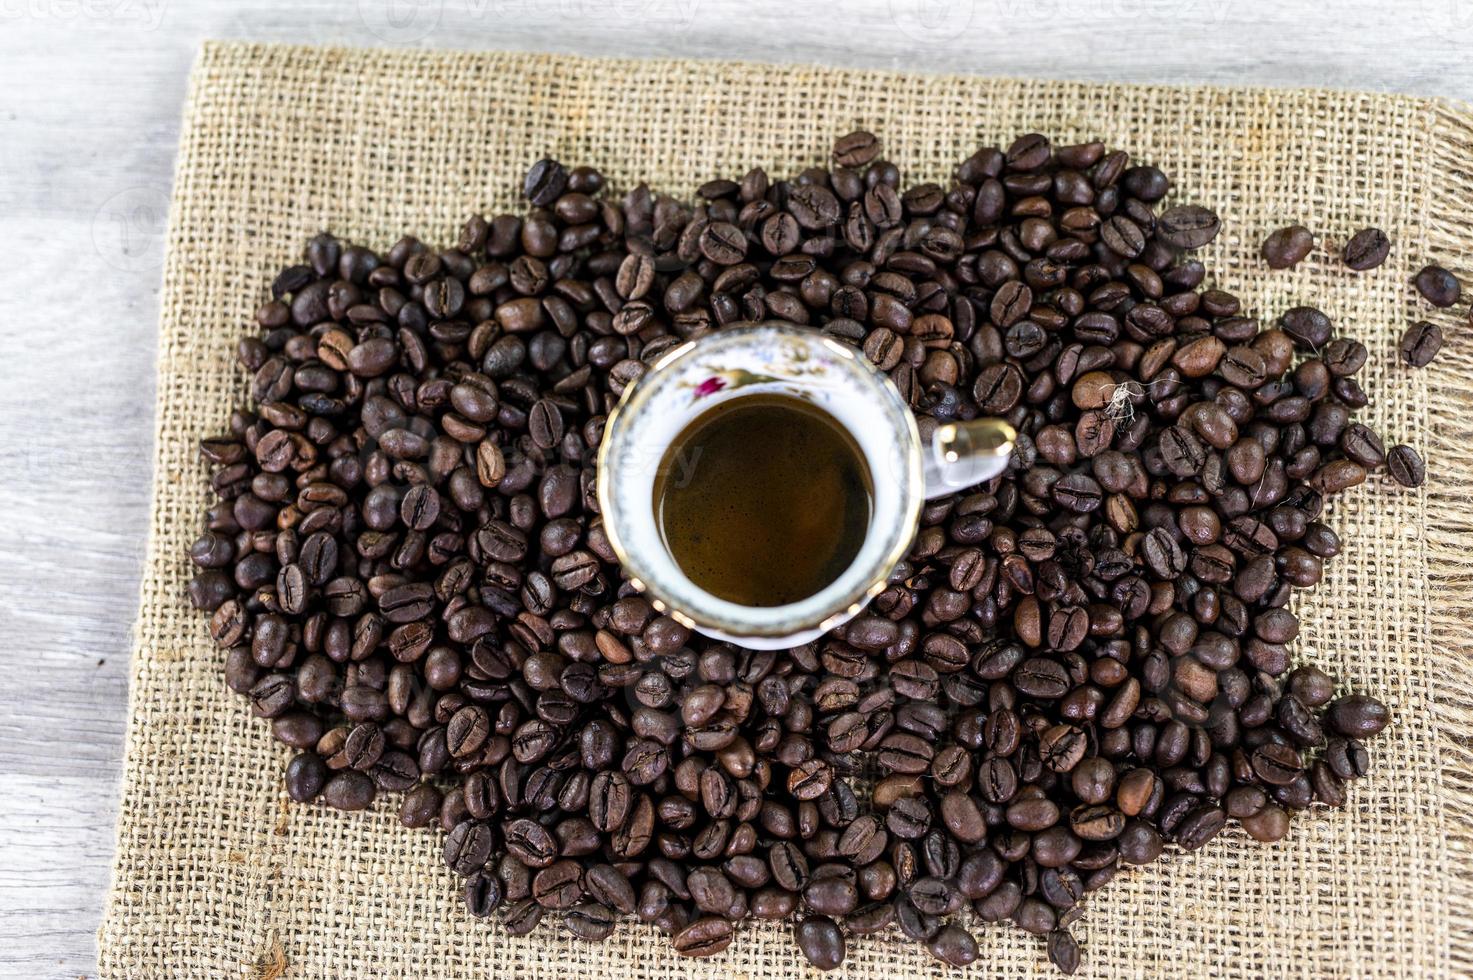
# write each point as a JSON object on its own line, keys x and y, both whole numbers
{"x": 1438, "y": 286}
{"x": 1406, "y": 466}
{"x": 1367, "y": 249}
{"x": 1287, "y": 247}
{"x": 1420, "y": 343}
{"x": 821, "y": 941}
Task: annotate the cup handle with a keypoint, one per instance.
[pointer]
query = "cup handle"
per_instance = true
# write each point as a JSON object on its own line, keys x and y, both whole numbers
{"x": 963, "y": 454}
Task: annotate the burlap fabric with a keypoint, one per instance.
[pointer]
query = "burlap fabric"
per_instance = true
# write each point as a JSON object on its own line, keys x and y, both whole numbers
{"x": 217, "y": 875}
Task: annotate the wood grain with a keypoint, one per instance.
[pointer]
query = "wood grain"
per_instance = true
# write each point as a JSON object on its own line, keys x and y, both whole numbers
{"x": 90, "y": 97}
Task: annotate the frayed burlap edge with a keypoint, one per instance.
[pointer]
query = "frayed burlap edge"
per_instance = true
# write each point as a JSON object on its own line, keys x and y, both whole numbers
{"x": 1450, "y": 496}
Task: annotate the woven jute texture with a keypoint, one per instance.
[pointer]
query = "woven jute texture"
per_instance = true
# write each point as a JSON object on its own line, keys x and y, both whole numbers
{"x": 217, "y": 875}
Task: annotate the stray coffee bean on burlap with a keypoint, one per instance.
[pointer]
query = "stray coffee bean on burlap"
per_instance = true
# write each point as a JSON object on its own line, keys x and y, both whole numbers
{"x": 1079, "y": 665}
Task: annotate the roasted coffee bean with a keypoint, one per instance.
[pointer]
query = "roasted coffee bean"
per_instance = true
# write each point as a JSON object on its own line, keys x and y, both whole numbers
{"x": 1344, "y": 356}
{"x": 1096, "y": 823}
{"x": 1061, "y": 747}
{"x": 856, "y": 149}
{"x": 1078, "y": 493}
{"x": 468, "y": 847}
{"x": 1267, "y": 825}
{"x": 1287, "y": 247}
{"x": 1093, "y": 780}
{"x": 1338, "y": 475}
{"x": 832, "y": 890}
{"x": 1035, "y": 916}
{"x": 530, "y": 843}
{"x": 1139, "y": 843}
{"x": 704, "y": 937}
{"x": 1328, "y": 787}
{"x": 559, "y": 885}
{"x": 1420, "y": 343}
{"x": 610, "y": 886}
{"x": 1363, "y": 446}
{"x": 723, "y": 243}
{"x": 864, "y": 840}
{"x": 821, "y": 941}
{"x": 306, "y": 775}
{"x": 1307, "y": 327}
{"x": 1277, "y": 764}
{"x": 348, "y": 790}
{"x": 421, "y": 806}
{"x": 590, "y": 921}
{"x": 1123, "y": 236}
{"x": 1033, "y": 814}
{"x": 953, "y": 946}
{"x": 1187, "y": 226}
{"x": 963, "y": 818}
{"x": 482, "y": 893}
{"x": 1243, "y": 367}
{"x": 788, "y": 865}
{"x": 1437, "y": 286}
{"x": 395, "y": 772}
{"x": 1041, "y": 678}
{"x": 1347, "y": 758}
{"x": 1001, "y": 904}
{"x": 521, "y": 917}
{"x": 1358, "y": 716}
{"x": 814, "y": 207}
{"x": 711, "y": 890}
{"x": 545, "y": 182}
{"x": 467, "y": 730}
{"x": 1200, "y": 826}
{"x": 1063, "y": 951}
{"x": 1406, "y": 466}
{"x": 1367, "y": 249}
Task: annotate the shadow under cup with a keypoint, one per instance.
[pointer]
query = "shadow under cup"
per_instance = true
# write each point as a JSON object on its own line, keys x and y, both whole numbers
{"x": 739, "y": 363}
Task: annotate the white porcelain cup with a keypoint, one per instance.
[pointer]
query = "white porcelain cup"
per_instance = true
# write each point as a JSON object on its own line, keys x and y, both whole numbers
{"x": 781, "y": 359}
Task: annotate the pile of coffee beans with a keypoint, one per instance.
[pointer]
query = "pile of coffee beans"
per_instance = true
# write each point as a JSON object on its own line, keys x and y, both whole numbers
{"x": 1079, "y": 664}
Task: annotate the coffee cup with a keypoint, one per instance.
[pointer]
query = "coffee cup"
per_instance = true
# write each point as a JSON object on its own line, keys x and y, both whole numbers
{"x": 773, "y": 361}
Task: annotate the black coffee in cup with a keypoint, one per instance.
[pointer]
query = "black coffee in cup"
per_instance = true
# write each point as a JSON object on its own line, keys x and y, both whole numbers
{"x": 763, "y": 500}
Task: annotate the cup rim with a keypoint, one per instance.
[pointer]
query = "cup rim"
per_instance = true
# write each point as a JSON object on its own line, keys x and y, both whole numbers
{"x": 852, "y": 600}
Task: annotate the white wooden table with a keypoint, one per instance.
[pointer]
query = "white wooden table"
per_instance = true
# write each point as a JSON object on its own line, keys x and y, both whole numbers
{"x": 90, "y": 99}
